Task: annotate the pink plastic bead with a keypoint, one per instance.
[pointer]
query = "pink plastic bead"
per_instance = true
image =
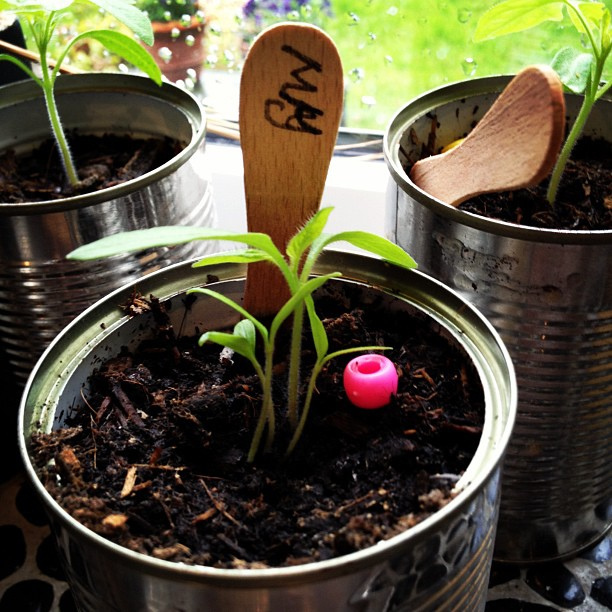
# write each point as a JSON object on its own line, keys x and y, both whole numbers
{"x": 370, "y": 381}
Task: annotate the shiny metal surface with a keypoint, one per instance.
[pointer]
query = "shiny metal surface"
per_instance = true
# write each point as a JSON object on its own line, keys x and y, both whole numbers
{"x": 441, "y": 564}
{"x": 549, "y": 294}
{"x": 40, "y": 291}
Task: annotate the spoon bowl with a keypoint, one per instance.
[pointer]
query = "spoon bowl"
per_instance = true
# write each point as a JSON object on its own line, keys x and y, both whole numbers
{"x": 515, "y": 144}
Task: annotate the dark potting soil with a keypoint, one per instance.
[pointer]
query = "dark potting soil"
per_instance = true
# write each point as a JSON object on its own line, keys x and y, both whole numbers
{"x": 101, "y": 161}
{"x": 156, "y": 458}
{"x": 584, "y": 200}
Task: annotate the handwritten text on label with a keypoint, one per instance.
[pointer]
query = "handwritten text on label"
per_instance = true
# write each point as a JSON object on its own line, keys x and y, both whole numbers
{"x": 303, "y": 113}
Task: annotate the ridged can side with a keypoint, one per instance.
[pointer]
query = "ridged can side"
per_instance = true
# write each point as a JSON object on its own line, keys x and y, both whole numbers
{"x": 41, "y": 291}
{"x": 549, "y": 295}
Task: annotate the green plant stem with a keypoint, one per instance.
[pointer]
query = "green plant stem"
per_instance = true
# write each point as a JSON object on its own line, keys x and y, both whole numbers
{"x": 312, "y": 383}
{"x": 566, "y": 151}
{"x": 590, "y": 97}
{"x": 266, "y": 416}
{"x": 58, "y": 131}
{"x": 297, "y": 434}
{"x": 294, "y": 367}
{"x": 48, "y": 84}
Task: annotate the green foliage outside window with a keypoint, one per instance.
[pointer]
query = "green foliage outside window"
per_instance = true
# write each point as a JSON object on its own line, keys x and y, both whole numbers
{"x": 392, "y": 50}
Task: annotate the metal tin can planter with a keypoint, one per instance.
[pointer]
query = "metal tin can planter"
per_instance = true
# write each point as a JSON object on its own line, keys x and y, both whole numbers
{"x": 441, "y": 563}
{"x": 40, "y": 292}
{"x": 549, "y": 294}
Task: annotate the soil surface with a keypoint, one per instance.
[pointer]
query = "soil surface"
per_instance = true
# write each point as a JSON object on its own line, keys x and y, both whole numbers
{"x": 584, "y": 200}
{"x": 156, "y": 458}
{"x": 102, "y": 161}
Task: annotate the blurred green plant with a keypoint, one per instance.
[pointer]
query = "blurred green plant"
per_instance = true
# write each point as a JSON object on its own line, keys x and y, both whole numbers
{"x": 392, "y": 50}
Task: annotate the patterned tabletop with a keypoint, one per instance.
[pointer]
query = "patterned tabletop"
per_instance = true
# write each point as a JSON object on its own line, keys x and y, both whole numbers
{"x": 32, "y": 580}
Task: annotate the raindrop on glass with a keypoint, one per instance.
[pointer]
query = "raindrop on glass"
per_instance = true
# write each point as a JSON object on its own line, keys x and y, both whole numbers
{"x": 165, "y": 54}
{"x": 167, "y": 15}
{"x": 469, "y": 65}
{"x": 442, "y": 53}
{"x": 357, "y": 74}
{"x": 175, "y": 33}
{"x": 584, "y": 41}
{"x": 368, "y": 101}
{"x": 189, "y": 40}
{"x": 185, "y": 20}
{"x": 464, "y": 15}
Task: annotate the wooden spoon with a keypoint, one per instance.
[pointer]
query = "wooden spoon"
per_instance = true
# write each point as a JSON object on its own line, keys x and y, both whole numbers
{"x": 291, "y": 94}
{"x": 514, "y": 145}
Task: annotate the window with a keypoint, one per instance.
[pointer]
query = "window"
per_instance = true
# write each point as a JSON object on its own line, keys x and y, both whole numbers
{"x": 392, "y": 50}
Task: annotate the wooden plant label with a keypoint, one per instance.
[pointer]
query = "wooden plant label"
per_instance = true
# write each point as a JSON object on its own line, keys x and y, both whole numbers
{"x": 291, "y": 96}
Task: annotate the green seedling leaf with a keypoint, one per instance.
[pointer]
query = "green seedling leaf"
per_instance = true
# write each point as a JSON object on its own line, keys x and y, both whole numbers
{"x": 307, "y": 289}
{"x": 307, "y": 244}
{"x": 312, "y": 230}
{"x": 377, "y": 245}
{"x": 129, "y": 15}
{"x": 127, "y": 48}
{"x": 515, "y": 16}
{"x": 606, "y": 31}
{"x": 574, "y": 68}
{"x": 245, "y": 256}
{"x": 246, "y": 329}
{"x": 138, "y": 240}
{"x": 319, "y": 336}
{"x": 590, "y": 12}
{"x": 238, "y": 344}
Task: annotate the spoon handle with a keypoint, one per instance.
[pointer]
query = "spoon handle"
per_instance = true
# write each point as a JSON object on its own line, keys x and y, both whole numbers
{"x": 291, "y": 94}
